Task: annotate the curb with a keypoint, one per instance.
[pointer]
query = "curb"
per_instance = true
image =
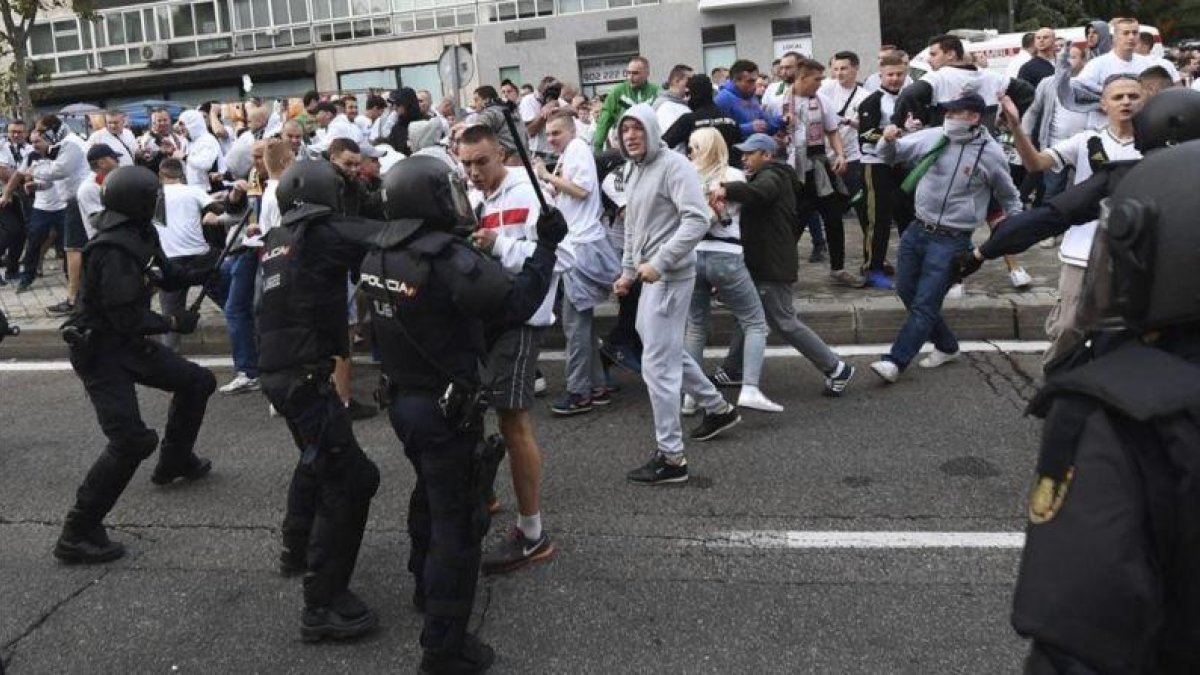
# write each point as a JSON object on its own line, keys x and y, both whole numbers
{"x": 869, "y": 320}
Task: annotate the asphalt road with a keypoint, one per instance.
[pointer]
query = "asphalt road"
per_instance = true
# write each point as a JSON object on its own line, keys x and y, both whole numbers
{"x": 647, "y": 579}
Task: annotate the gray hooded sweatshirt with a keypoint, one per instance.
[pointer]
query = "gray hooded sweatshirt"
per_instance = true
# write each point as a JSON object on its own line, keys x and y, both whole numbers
{"x": 667, "y": 214}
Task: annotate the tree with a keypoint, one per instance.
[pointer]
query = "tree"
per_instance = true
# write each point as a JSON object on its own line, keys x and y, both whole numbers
{"x": 17, "y": 18}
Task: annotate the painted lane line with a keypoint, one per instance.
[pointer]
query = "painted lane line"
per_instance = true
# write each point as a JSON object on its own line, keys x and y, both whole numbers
{"x": 793, "y": 539}
{"x": 970, "y": 347}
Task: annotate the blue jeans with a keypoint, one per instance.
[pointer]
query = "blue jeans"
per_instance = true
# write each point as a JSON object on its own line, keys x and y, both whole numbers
{"x": 727, "y": 273}
{"x": 241, "y": 271}
{"x": 923, "y": 275}
{"x": 1053, "y": 183}
{"x": 41, "y": 224}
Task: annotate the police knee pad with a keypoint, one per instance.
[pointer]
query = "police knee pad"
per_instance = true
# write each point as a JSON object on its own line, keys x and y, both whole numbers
{"x": 135, "y": 447}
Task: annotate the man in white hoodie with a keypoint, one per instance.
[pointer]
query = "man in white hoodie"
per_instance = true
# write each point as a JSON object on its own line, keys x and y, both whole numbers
{"x": 508, "y": 231}
{"x": 665, "y": 218}
{"x": 204, "y": 156}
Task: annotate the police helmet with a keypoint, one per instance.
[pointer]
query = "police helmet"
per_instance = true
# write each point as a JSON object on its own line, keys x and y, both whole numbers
{"x": 314, "y": 182}
{"x": 1170, "y": 118}
{"x": 1142, "y": 271}
{"x": 132, "y": 192}
{"x": 426, "y": 188}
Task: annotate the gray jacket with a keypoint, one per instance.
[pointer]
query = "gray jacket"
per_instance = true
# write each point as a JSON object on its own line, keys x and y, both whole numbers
{"x": 667, "y": 214}
{"x": 956, "y": 190}
{"x": 1038, "y": 122}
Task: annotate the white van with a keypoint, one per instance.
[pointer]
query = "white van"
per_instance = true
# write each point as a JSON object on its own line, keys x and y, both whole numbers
{"x": 1000, "y": 48}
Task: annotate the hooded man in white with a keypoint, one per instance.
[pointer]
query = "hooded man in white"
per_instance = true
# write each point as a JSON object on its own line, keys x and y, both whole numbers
{"x": 203, "y": 151}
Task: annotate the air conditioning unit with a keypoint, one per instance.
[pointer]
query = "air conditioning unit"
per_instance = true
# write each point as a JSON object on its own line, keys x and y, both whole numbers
{"x": 156, "y": 55}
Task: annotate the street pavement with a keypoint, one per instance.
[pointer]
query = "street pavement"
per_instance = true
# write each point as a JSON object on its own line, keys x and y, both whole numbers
{"x": 648, "y": 580}
{"x": 991, "y": 309}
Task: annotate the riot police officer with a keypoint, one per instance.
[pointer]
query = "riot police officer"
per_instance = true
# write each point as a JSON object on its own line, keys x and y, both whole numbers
{"x": 1108, "y": 580}
{"x": 302, "y": 327}
{"x": 111, "y": 353}
{"x": 431, "y": 296}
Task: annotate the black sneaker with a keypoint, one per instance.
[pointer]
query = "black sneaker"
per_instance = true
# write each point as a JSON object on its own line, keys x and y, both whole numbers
{"x": 517, "y": 552}
{"x": 345, "y": 618}
{"x": 725, "y": 379}
{"x": 195, "y": 469}
{"x": 358, "y": 411}
{"x": 473, "y": 657}
{"x": 658, "y": 471}
{"x": 836, "y": 384}
{"x": 713, "y": 424}
{"x": 571, "y": 404}
{"x": 292, "y": 564}
{"x": 64, "y": 307}
{"x": 23, "y": 287}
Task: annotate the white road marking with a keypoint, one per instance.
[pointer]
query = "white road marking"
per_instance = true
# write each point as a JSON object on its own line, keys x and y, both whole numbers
{"x": 792, "y": 539}
{"x": 969, "y": 347}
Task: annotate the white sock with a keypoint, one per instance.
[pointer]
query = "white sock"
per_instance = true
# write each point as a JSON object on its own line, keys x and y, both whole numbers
{"x": 530, "y": 526}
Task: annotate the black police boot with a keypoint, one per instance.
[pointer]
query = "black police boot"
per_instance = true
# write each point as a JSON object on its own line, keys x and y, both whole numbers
{"x": 292, "y": 562}
{"x": 345, "y": 618}
{"x": 473, "y": 657}
{"x": 82, "y": 542}
{"x": 190, "y": 469}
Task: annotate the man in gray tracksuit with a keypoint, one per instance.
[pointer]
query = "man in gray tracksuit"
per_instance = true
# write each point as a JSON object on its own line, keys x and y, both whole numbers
{"x": 666, "y": 217}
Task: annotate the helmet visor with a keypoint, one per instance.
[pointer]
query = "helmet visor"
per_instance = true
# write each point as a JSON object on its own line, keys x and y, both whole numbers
{"x": 1096, "y": 303}
{"x": 465, "y": 220}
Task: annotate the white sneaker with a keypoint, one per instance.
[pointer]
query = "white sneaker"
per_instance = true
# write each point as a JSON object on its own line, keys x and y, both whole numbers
{"x": 241, "y": 384}
{"x": 539, "y": 386}
{"x": 938, "y": 358}
{"x": 956, "y": 291}
{"x": 271, "y": 411}
{"x": 689, "y": 406}
{"x": 886, "y": 370}
{"x": 753, "y": 398}
{"x": 1020, "y": 278}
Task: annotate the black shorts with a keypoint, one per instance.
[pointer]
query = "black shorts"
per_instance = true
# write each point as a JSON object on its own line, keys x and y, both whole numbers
{"x": 511, "y": 368}
{"x": 74, "y": 234}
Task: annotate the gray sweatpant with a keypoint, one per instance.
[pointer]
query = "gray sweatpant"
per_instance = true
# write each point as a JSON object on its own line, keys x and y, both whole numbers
{"x": 667, "y": 368}
{"x": 585, "y": 370}
{"x": 777, "y": 301}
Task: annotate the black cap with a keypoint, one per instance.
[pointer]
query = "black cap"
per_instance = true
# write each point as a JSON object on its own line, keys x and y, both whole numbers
{"x": 100, "y": 151}
{"x": 970, "y": 102}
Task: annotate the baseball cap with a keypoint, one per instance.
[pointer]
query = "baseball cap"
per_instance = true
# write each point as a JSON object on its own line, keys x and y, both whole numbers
{"x": 971, "y": 102}
{"x": 100, "y": 151}
{"x": 757, "y": 142}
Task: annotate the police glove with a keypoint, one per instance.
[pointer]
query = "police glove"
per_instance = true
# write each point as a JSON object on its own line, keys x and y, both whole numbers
{"x": 552, "y": 227}
{"x": 184, "y": 322}
{"x": 966, "y": 264}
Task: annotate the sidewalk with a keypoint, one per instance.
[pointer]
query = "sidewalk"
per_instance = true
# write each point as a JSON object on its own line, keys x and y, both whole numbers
{"x": 991, "y": 310}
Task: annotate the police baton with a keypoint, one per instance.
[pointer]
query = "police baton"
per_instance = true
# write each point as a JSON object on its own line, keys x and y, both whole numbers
{"x": 237, "y": 233}
{"x": 512, "y": 128}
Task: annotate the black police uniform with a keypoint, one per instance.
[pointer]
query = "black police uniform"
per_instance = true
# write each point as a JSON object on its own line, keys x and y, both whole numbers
{"x": 432, "y": 296}
{"x": 1108, "y": 580}
{"x": 111, "y": 353}
{"x": 302, "y": 326}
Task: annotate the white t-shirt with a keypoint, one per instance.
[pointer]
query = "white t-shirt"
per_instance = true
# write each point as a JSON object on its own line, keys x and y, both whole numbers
{"x": 182, "y": 234}
{"x": 12, "y": 156}
{"x": 123, "y": 146}
{"x": 49, "y": 195}
{"x": 90, "y": 206}
{"x": 1013, "y": 69}
{"x": 268, "y": 210}
{"x": 529, "y": 109}
{"x": 578, "y": 166}
{"x": 1077, "y": 242}
{"x": 838, "y": 98}
{"x": 815, "y": 116}
{"x": 949, "y": 83}
{"x": 1104, "y": 66}
{"x": 887, "y": 106}
{"x": 729, "y": 230}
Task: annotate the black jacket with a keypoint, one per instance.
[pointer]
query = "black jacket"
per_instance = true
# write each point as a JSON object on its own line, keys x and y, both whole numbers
{"x": 704, "y": 113}
{"x": 770, "y": 222}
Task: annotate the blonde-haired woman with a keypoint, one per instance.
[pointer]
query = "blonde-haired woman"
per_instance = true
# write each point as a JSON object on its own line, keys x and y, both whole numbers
{"x": 720, "y": 267}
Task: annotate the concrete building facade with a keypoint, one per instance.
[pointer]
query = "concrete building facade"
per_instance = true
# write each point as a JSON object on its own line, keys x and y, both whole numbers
{"x": 196, "y": 50}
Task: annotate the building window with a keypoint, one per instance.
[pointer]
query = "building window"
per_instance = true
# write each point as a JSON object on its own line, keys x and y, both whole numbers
{"x": 602, "y": 62}
{"x": 510, "y": 73}
{"x": 416, "y": 76}
{"x": 720, "y": 46}
{"x": 792, "y": 35}
{"x": 422, "y": 76}
{"x": 364, "y": 80}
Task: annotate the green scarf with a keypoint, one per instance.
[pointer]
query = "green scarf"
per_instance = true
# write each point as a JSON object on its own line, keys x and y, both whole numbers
{"x": 926, "y": 162}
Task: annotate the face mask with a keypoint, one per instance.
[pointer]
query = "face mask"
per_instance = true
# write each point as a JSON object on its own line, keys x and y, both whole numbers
{"x": 958, "y": 131}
